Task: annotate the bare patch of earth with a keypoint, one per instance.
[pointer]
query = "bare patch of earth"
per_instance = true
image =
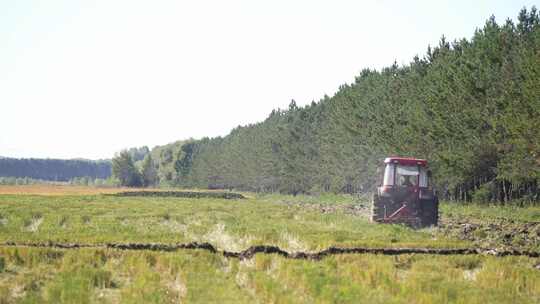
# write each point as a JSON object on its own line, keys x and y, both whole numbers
{"x": 499, "y": 233}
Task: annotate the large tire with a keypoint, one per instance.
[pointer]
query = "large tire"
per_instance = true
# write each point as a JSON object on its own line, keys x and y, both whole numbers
{"x": 430, "y": 212}
{"x": 377, "y": 209}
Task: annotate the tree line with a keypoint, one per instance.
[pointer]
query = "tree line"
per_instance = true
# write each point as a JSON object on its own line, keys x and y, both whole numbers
{"x": 470, "y": 106}
{"x": 53, "y": 169}
{"x": 76, "y": 181}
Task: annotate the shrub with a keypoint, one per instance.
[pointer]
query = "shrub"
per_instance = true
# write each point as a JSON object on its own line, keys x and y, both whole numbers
{"x": 484, "y": 193}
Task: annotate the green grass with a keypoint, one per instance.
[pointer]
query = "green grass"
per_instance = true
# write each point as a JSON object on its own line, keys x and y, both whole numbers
{"x": 45, "y": 275}
{"x": 227, "y": 224}
{"x": 107, "y": 276}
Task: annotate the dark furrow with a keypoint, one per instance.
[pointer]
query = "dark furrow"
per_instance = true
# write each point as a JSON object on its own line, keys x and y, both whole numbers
{"x": 181, "y": 194}
{"x": 266, "y": 249}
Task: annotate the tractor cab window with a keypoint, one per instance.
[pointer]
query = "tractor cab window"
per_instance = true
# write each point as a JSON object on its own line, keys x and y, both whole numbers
{"x": 424, "y": 178}
{"x": 389, "y": 175}
{"x": 407, "y": 176}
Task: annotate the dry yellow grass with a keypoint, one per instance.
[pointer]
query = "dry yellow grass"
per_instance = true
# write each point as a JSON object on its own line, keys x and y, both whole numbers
{"x": 61, "y": 190}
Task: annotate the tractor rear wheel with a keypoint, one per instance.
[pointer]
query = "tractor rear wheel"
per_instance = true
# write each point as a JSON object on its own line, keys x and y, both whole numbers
{"x": 430, "y": 212}
{"x": 377, "y": 209}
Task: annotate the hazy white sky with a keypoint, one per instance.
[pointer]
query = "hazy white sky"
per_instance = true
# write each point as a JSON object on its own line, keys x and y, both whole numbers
{"x": 89, "y": 78}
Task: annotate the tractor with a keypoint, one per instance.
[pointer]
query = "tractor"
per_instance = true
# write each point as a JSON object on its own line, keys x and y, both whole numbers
{"x": 405, "y": 194}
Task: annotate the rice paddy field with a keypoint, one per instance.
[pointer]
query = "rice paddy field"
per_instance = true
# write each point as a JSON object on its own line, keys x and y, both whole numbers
{"x": 37, "y": 221}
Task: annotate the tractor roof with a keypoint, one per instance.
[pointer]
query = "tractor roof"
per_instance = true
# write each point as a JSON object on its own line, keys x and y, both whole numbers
{"x": 406, "y": 161}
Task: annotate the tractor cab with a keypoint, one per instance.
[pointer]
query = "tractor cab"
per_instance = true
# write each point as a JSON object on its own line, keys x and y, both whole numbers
{"x": 404, "y": 194}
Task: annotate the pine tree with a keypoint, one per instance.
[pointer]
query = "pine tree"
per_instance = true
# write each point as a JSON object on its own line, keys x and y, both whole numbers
{"x": 148, "y": 172}
{"x": 123, "y": 168}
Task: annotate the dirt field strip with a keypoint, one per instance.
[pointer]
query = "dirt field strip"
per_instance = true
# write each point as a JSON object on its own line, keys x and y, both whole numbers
{"x": 268, "y": 249}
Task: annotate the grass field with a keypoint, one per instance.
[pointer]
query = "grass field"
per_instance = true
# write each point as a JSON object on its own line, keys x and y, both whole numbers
{"x": 103, "y": 275}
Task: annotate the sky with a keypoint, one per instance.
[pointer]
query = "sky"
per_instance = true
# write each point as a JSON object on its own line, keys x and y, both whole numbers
{"x": 86, "y": 79}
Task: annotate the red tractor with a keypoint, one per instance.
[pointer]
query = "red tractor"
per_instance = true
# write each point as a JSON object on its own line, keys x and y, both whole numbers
{"x": 405, "y": 194}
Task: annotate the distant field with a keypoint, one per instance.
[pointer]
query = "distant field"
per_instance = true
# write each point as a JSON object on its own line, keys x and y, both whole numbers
{"x": 41, "y": 189}
{"x": 87, "y": 216}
